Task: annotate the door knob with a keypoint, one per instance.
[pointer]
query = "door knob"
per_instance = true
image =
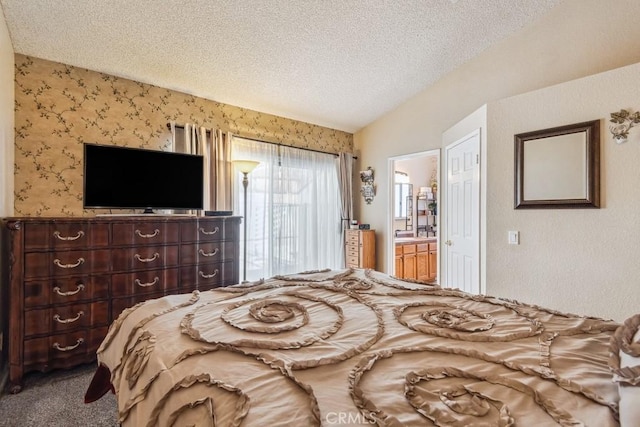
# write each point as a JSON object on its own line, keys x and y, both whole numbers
{"x": 448, "y": 243}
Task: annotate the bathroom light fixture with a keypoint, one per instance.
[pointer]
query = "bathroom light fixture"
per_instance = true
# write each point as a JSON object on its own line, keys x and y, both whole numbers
{"x": 624, "y": 120}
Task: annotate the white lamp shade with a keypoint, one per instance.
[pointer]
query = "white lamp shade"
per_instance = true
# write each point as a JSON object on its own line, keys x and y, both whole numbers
{"x": 245, "y": 166}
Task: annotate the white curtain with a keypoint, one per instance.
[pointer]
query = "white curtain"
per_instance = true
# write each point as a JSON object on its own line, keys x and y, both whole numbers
{"x": 293, "y": 209}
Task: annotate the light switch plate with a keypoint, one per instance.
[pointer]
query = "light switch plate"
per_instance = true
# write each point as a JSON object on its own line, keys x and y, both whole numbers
{"x": 514, "y": 237}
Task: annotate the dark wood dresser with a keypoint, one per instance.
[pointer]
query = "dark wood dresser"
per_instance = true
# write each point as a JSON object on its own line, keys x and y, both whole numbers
{"x": 69, "y": 278}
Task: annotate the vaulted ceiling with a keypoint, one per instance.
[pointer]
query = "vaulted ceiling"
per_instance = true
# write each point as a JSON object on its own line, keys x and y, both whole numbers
{"x": 335, "y": 63}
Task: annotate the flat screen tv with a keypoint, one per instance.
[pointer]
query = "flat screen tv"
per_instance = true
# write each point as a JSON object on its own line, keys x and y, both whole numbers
{"x": 133, "y": 178}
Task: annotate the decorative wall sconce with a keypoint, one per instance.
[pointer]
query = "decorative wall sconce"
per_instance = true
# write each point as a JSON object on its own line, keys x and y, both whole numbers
{"x": 624, "y": 120}
{"x": 368, "y": 189}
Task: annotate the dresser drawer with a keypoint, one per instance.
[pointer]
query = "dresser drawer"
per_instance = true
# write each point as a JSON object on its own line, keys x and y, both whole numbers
{"x": 352, "y": 251}
{"x": 64, "y": 263}
{"x": 145, "y": 233}
{"x": 352, "y": 245}
{"x": 144, "y": 257}
{"x": 203, "y": 230}
{"x": 53, "y": 291}
{"x": 63, "y": 318}
{"x": 353, "y": 261}
{"x": 206, "y": 252}
{"x": 208, "y": 230}
{"x": 207, "y": 276}
{"x": 63, "y": 350}
{"x": 65, "y": 235}
{"x": 352, "y": 238}
{"x": 144, "y": 282}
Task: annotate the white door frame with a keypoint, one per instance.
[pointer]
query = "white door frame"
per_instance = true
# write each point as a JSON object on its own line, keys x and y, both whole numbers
{"x": 391, "y": 167}
{"x": 443, "y": 216}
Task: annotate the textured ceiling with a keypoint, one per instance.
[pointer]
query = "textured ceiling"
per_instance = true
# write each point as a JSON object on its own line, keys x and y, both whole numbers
{"x": 335, "y": 63}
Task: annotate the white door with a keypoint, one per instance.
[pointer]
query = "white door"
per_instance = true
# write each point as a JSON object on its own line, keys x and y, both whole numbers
{"x": 462, "y": 239}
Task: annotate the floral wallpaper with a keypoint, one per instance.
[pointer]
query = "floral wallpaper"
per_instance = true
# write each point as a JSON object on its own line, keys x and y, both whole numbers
{"x": 58, "y": 107}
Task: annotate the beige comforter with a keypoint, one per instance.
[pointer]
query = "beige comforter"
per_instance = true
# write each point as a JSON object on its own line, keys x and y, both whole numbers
{"x": 357, "y": 347}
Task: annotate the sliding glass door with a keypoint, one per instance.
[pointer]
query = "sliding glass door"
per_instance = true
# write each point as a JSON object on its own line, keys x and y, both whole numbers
{"x": 293, "y": 209}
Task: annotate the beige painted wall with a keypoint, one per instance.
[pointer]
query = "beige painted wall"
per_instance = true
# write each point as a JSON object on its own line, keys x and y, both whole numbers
{"x": 7, "y": 119}
{"x": 581, "y": 260}
{"x": 578, "y": 38}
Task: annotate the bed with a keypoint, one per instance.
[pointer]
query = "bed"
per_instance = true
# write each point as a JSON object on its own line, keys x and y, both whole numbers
{"x": 359, "y": 347}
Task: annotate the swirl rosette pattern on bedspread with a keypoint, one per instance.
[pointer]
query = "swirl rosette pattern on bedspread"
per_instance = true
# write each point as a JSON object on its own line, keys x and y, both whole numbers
{"x": 625, "y": 364}
{"x": 356, "y": 347}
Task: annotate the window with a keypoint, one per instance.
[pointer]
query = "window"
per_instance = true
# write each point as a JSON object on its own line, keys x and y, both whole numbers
{"x": 402, "y": 196}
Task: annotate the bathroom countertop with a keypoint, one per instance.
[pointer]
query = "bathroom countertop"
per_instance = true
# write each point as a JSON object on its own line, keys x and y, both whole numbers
{"x": 409, "y": 240}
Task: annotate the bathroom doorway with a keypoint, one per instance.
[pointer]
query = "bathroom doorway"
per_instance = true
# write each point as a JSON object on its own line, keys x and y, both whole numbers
{"x": 413, "y": 216}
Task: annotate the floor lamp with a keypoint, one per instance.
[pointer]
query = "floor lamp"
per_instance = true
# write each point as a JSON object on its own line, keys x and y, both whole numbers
{"x": 245, "y": 166}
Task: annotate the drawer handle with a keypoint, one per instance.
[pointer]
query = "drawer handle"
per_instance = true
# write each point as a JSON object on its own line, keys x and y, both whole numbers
{"x": 203, "y": 231}
{"x": 76, "y": 237}
{"x": 203, "y": 253}
{"x": 69, "y": 347}
{"x": 59, "y": 264}
{"x": 148, "y": 236}
{"x": 68, "y": 293}
{"x": 153, "y": 258}
{"x": 209, "y": 276}
{"x": 145, "y": 285}
{"x": 57, "y": 318}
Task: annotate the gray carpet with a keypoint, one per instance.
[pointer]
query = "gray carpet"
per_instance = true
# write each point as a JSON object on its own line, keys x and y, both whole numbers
{"x": 56, "y": 399}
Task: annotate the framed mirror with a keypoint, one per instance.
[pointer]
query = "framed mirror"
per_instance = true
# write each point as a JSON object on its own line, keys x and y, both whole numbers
{"x": 558, "y": 167}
